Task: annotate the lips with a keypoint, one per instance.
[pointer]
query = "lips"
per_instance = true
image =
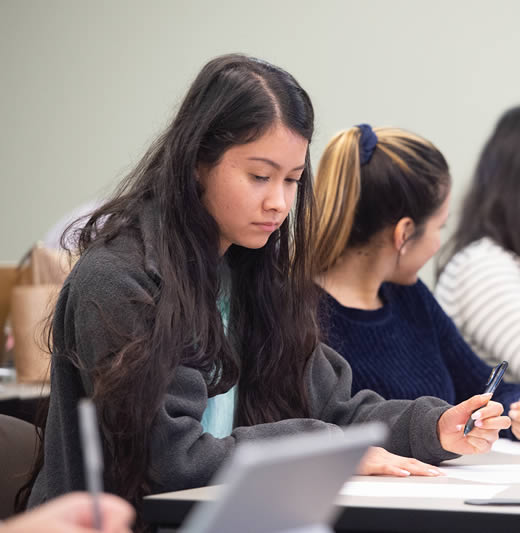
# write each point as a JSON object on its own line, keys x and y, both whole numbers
{"x": 267, "y": 226}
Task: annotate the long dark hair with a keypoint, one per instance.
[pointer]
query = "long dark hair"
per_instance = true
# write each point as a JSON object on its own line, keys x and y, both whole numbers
{"x": 407, "y": 176}
{"x": 234, "y": 100}
{"x": 491, "y": 207}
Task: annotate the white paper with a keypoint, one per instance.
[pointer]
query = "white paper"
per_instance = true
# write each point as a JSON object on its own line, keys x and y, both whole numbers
{"x": 507, "y": 474}
{"x": 506, "y": 446}
{"x": 398, "y": 489}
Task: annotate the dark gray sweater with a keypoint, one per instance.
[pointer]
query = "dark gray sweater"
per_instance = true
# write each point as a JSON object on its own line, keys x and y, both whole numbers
{"x": 182, "y": 455}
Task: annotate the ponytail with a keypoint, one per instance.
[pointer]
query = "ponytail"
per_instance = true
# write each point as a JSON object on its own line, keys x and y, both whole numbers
{"x": 338, "y": 187}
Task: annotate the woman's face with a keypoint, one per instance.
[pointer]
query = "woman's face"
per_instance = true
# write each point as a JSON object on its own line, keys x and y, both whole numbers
{"x": 251, "y": 190}
{"x": 417, "y": 252}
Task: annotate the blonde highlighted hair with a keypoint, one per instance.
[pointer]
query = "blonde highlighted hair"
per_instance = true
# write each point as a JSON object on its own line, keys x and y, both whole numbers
{"x": 405, "y": 176}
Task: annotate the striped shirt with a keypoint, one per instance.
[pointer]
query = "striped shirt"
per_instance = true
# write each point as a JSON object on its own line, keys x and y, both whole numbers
{"x": 480, "y": 290}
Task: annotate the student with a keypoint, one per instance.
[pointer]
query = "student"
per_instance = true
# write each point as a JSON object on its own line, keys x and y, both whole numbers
{"x": 479, "y": 286}
{"x": 383, "y": 197}
{"x": 73, "y": 513}
{"x": 189, "y": 316}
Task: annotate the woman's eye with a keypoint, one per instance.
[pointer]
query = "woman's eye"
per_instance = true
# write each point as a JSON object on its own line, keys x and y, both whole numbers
{"x": 260, "y": 178}
{"x": 292, "y": 180}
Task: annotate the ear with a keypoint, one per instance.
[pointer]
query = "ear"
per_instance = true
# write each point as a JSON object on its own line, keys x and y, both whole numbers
{"x": 201, "y": 173}
{"x": 403, "y": 230}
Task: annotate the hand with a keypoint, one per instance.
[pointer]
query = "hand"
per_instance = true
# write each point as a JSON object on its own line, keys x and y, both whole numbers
{"x": 377, "y": 461}
{"x": 488, "y": 423}
{"x": 514, "y": 415}
{"x": 73, "y": 514}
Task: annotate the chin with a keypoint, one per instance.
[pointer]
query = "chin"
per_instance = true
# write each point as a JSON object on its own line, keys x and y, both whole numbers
{"x": 252, "y": 244}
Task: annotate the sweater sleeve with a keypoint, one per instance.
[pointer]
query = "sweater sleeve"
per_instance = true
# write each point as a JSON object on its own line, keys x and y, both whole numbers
{"x": 412, "y": 423}
{"x": 469, "y": 373}
{"x": 188, "y": 457}
{"x": 485, "y": 297}
{"x": 182, "y": 454}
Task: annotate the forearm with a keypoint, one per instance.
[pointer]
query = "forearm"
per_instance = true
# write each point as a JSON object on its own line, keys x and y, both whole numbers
{"x": 183, "y": 455}
{"x": 412, "y": 424}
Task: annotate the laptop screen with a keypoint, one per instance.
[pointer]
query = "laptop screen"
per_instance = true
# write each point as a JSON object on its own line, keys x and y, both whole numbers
{"x": 289, "y": 483}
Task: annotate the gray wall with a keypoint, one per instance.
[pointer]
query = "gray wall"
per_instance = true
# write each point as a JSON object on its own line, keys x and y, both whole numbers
{"x": 87, "y": 85}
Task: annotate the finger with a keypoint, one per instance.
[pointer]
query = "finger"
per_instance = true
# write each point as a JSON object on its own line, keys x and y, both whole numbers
{"x": 514, "y": 414}
{"x": 490, "y": 435}
{"x": 515, "y": 405}
{"x": 460, "y": 413}
{"x": 370, "y": 468}
{"x": 497, "y": 422}
{"x": 475, "y": 402}
{"x": 418, "y": 468}
{"x": 117, "y": 513}
{"x": 490, "y": 410}
{"x": 393, "y": 470}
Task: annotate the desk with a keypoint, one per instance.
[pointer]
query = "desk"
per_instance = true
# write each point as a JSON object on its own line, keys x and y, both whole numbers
{"x": 370, "y": 514}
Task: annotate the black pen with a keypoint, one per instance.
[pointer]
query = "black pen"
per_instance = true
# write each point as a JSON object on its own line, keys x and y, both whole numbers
{"x": 92, "y": 455}
{"x": 492, "y": 383}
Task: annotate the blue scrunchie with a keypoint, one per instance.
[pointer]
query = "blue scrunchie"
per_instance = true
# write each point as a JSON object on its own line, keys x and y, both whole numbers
{"x": 367, "y": 142}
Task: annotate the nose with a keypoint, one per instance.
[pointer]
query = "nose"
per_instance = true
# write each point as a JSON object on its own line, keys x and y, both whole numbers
{"x": 275, "y": 199}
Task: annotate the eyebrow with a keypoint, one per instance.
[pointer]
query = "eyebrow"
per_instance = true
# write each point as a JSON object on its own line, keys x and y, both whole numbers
{"x": 273, "y": 164}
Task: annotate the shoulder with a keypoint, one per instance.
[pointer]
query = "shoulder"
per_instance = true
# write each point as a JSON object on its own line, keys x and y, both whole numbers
{"x": 415, "y": 293}
{"x": 325, "y": 368}
{"x": 414, "y": 304}
{"x": 477, "y": 256}
{"x": 113, "y": 270}
{"x": 480, "y": 263}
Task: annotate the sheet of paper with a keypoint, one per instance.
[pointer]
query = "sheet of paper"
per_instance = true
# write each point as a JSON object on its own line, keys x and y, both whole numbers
{"x": 507, "y": 474}
{"x": 398, "y": 489}
{"x": 506, "y": 446}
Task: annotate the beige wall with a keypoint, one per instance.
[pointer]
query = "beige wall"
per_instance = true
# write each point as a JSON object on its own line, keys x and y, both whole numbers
{"x": 85, "y": 85}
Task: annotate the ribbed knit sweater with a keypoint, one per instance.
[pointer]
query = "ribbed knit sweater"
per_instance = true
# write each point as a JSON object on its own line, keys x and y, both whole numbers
{"x": 408, "y": 348}
{"x": 480, "y": 290}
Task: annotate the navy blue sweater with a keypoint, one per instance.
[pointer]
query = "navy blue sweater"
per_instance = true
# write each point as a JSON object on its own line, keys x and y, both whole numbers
{"x": 408, "y": 348}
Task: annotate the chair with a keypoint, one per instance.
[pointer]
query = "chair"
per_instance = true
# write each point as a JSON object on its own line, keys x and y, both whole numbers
{"x": 18, "y": 443}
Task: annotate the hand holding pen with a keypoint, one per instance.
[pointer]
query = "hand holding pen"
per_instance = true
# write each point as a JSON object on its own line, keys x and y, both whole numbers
{"x": 488, "y": 422}
{"x": 72, "y": 513}
{"x": 492, "y": 383}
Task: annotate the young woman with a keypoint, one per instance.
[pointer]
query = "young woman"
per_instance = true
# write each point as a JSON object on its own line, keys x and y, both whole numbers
{"x": 383, "y": 197}
{"x": 479, "y": 286}
{"x": 189, "y": 319}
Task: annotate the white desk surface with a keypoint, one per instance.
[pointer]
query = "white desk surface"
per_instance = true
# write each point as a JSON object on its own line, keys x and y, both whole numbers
{"x": 360, "y": 507}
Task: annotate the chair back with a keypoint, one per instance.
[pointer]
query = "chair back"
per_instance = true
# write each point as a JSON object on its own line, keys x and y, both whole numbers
{"x": 18, "y": 444}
